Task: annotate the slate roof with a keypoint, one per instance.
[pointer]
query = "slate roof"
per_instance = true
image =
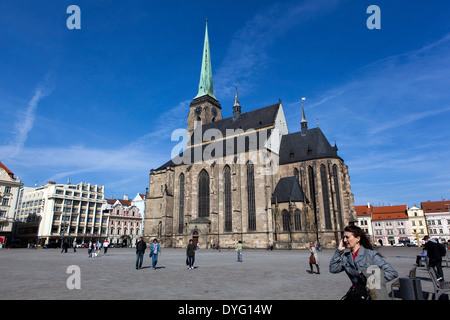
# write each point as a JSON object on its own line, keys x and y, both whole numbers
{"x": 200, "y": 220}
{"x": 255, "y": 119}
{"x": 296, "y": 147}
{"x": 288, "y": 189}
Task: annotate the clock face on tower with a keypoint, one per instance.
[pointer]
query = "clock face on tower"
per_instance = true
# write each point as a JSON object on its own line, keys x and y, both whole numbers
{"x": 214, "y": 111}
{"x": 198, "y": 110}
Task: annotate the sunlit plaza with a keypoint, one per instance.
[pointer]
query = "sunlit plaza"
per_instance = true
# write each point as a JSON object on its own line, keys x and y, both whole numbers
{"x": 263, "y": 275}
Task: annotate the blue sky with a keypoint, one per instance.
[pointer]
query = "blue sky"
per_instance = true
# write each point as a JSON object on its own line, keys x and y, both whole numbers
{"x": 100, "y": 104}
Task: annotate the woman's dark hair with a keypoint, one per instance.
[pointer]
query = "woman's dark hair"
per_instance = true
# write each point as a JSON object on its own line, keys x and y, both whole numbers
{"x": 358, "y": 232}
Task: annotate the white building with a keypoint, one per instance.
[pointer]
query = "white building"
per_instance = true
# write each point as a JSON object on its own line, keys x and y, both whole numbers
{"x": 9, "y": 192}
{"x": 51, "y": 213}
{"x": 437, "y": 215}
{"x": 139, "y": 202}
{"x": 125, "y": 220}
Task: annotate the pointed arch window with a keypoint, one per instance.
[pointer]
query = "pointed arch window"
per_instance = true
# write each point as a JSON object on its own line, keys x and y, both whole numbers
{"x": 227, "y": 198}
{"x": 203, "y": 194}
{"x": 312, "y": 187}
{"x": 338, "y": 194}
{"x": 326, "y": 197}
{"x": 181, "y": 205}
{"x": 286, "y": 220}
{"x": 297, "y": 222}
{"x": 251, "y": 197}
{"x": 297, "y": 174}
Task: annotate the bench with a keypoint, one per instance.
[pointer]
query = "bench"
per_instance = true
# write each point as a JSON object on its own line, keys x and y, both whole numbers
{"x": 396, "y": 283}
{"x": 440, "y": 287}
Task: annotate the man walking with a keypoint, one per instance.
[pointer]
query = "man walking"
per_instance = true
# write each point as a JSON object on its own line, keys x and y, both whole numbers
{"x": 105, "y": 246}
{"x": 239, "y": 251}
{"x": 434, "y": 254}
{"x": 140, "y": 250}
{"x": 190, "y": 252}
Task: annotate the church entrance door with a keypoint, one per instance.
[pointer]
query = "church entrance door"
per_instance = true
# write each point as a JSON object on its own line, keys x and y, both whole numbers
{"x": 195, "y": 238}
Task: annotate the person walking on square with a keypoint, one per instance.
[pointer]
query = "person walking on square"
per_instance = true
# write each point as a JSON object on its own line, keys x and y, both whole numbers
{"x": 239, "y": 251}
{"x": 313, "y": 258}
{"x": 434, "y": 256}
{"x": 105, "y": 246}
{"x": 190, "y": 253}
{"x": 90, "y": 249}
{"x": 155, "y": 249}
{"x": 360, "y": 257}
{"x": 99, "y": 247}
{"x": 140, "y": 250}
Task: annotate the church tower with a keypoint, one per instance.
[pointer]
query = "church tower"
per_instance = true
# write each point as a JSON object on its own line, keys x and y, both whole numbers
{"x": 204, "y": 107}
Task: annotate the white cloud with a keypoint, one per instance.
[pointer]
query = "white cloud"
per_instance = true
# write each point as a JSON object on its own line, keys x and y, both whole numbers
{"x": 26, "y": 121}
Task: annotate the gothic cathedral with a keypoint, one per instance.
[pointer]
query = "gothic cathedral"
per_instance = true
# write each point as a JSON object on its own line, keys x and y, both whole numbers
{"x": 246, "y": 178}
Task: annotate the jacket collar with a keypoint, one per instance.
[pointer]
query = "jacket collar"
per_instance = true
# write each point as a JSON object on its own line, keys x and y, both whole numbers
{"x": 360, "y": 256}
{"x": 361, "y": 253}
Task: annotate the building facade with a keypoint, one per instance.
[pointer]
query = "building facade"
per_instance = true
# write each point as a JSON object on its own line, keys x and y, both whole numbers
{"x": 246, "y": 178}
{"x": 61, "y": 212}
{"x": 9, "y": 193}
{"x": 364, "y": 216}
{"x": 391, "y": 225}
{"x": 125, "y": 221}
{"x": 437, "y": 215}
{"x": 417, "y": 223}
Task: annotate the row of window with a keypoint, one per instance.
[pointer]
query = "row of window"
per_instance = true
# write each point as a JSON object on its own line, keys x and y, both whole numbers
{"x": 204, "y": 200}
{"x": 125, "y": 232}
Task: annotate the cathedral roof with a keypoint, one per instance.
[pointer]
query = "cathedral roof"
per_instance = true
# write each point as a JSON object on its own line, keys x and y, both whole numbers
{"x": 287, "y": 190}
{"x": 294, "y": 147}
{"x": 254, "y": 119}
{"x": 297, "y": 147}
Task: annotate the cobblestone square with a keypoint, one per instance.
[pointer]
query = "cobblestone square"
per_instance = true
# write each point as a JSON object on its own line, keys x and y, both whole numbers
{"x": 263, "y": 275}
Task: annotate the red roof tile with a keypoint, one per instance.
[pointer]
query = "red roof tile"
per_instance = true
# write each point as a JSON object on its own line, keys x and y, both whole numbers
{"x": 363, "y": 210}
{"x": 435, "y": 206}
{"x": 390, "y": 212}
{"x": 7, "y": 170}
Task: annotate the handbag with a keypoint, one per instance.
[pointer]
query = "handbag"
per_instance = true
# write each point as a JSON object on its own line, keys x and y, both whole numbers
{"x": 357, "y": 291}
{"x": 312, "y": 259}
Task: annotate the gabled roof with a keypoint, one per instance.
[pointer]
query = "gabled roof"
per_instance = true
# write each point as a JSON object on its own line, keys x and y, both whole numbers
{"x": 363, "y": 210}
{"x": 255, "y": 119}
{"x": 390, "y": 212}
{"x": 7, "y": 170}
{"x": 126, "y": 203}
{"x": 297, "y": 147}
{"x": 435, "y": 206}
{"x": 288, "y": 189}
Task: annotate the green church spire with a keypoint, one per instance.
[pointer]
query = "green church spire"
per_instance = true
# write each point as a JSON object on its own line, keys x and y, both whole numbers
{"x": 205, "y": 86}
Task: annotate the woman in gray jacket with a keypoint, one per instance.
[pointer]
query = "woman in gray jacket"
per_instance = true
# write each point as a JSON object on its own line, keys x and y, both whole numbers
{"x": 360, "y": 257}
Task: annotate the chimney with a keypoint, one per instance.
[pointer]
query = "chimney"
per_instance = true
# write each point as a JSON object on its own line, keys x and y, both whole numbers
{"x": 125, "y": 197}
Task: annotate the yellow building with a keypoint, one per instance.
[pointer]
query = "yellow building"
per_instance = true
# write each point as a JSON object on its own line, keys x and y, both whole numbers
{"x": 417, "y": 223}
